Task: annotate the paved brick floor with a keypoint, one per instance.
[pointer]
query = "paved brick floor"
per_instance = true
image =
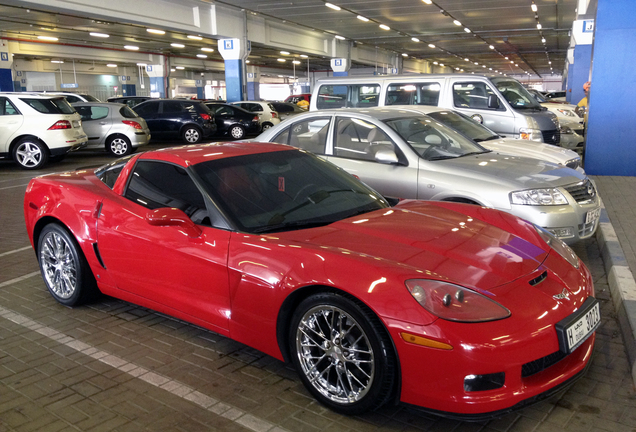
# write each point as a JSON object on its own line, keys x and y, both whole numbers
{"x": 113, "y": 366}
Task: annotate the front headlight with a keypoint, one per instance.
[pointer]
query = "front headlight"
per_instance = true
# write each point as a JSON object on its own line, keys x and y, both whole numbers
{"x": 455, "y": 303}
{"x": 559, "y": 246}
{"x": 547, "y": 196}
{"x": 531, "y": 134}
{"x": 573, "y": 163}
{"x": 566, "y": 112}
{"x": 565, "y": 130}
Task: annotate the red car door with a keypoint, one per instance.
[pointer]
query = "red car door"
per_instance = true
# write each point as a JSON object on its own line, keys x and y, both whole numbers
{"x": 163, "y": 263}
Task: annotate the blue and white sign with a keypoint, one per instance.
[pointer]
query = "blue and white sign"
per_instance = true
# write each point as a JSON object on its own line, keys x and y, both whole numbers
{"x": 4, "y": 56}
{"x": 198, "y": 83}
{"x": 18, "y": 73}
{"x": 588, "y": 26}
{"x": 228, "y": 44}
{"x": 232, "y": 49}
{"x": 23, "y": 80}
{"x": 250, "y": 75}
{"x": 69, "y": 85}
{"x": 148, "y": 68}
{"x": 339, "y": 65}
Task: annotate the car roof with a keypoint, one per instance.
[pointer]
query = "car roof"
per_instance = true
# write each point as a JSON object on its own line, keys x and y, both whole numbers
{"x": 32, "y": 95}
{"x": 193, "y": 154}
{"x": 107, "y": 104}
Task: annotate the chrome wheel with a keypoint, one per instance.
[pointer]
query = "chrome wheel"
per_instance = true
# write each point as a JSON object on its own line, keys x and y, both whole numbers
{"x": 237, "y": 132}
{"x": 192, "y": 135}
{"x": 30, "y": 154}
{"x": 59, "y": 265}
{"x": 335, "y": 354}
{"x": 119, "y": 146}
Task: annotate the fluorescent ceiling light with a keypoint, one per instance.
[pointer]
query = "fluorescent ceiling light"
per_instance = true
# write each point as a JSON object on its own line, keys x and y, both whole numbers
{"x": 340, "y": 37}
{"x": 202, "y": 56}
{"x": 332, "y": 6}
{"x": 180, "y": 67}
{"x": 361, "y": 18}
{"x": 177, "y": 45}
{"x": 414, "y": 39}
{"x": 296, "y": 62}
{"x": 155, "y": 31}
{"x": 48, "y": 38}
{"x": 111, "y": 65}
{"x": 142, "y": 64}
{"x": 304, "y": 56}
{"x": 533, "y": 7}
{"x": 193, "y": 37}
{"x": 57, "y": 61}
{"x": 435, "y": 63}
{"x": 284, "y": 52}
{"x": 457, "y": 23}
{"x": 385, "y": 27}
{"x": 282, "y": 60}
{"x": 431, "y": 46}
{"x": 100, "y": 35}
{"x": 131, "y": 47}
{"x": 207, "y": 49}
{"x": 247, "y": 61}
{"x": 466, "y": 29}
{"x": 539, "y": 26}
{"x": 491, "y": 47}
{"x": 428, "y": 1}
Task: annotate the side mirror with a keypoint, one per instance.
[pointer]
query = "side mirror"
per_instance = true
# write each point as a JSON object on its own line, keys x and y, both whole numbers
{"x": 493, "y": 101}
{"x": 386, "y": 156}
{"x": 170, "y": 216}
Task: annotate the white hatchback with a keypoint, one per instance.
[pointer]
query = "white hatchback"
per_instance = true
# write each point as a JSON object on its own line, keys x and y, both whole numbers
{"x": 267, "y": 114}
{"x": 36, "y": 128}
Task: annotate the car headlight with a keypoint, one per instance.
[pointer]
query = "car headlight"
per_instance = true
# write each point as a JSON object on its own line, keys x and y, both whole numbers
{"x": 565, "y": 130}
{"x": 558, "y": 246}
{"x": 573, "y": 163}
{"x": 547, "y": 196}
{"x": 531, "y": 134}
{"x": 566, "y": 112}
{"x": 455, "y": 303}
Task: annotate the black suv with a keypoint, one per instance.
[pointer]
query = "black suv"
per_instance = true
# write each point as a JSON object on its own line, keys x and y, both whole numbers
{"x": 171, "y": 118}
{"x": 234, "y": 121}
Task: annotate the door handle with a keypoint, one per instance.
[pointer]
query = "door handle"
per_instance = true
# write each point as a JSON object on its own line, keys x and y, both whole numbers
{"x": 103, "y": 123}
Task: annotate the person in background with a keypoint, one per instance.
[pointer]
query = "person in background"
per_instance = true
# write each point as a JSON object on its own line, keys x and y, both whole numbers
{"x": 582, "y": 106}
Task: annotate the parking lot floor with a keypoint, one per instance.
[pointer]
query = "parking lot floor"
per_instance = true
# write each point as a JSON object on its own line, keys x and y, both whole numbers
{"x": 114, "y": 366}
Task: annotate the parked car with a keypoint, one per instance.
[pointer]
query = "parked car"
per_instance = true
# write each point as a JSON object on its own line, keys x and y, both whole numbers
{"x": 113, "y": 127}
{"x": 175, "y": 118}
{"x": 435, "y": 304}
{"x": 405, "y": 154}
{"x": 37, "y": 128}
{"x": 492, "y": 141}
{"x": 74, "y": 97}
{"x": 267, "y": 115}
{"x": 559, "y": 96}
{"x": 571, "y": 121}
{"x": 131, "y": 101}
{"x": 234, "y": 121}
{"x": 299, "y": 97}
{"x": 286, "y": 109}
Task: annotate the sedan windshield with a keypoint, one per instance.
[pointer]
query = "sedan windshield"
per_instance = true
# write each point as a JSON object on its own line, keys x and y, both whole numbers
{"x": 516, "y": 94}
{"x": 465, "y": 125}
{"x": 433, "y": 140}
{"x": 284, "y": 190}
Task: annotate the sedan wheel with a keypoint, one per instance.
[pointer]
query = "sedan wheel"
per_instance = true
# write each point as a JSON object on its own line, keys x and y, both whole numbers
{"x": 63, "y": 266}
{"x": 30, "y": 154}
{"x": 119, "y": 146}
{"x": 342, "y": 354}
{"x": 267, "y": 126}
{"x": 192, "y": 135}
{"x": 237, "y": 132}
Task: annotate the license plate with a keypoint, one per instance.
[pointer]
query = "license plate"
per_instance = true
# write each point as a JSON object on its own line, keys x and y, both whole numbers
{"x": 576, "y": 328}
{"x": 592, "y": 215}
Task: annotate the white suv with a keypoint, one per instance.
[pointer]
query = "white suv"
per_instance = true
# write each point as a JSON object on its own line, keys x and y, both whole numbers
{"x": 35, "y": 128}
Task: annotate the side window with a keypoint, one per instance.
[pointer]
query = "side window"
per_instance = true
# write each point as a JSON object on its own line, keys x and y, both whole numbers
{"x": 156, "y": 184}
{"x": 359, "y": 139}
{"x": 147, "y": 109}
{"x": 332, "y": 97}
{"x": 310, "y": 135}
{"x": 254, "y": 107}
{"x": 472, "y": 95}
{"x": 282, "y": 138}
{"x": 349, "y": 96}
{"x": 172, "y": 107}
{"x": 97, "y": 113}
{"x": 72, "y": 99}
{"x": 413, "y": 94}
{"x": 7, "y": 108}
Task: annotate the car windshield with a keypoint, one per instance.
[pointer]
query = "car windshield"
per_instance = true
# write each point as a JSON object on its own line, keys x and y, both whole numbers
{"x": 538, "y": 96}
{"x": 465, "y": 125}
{"x": 516, "y": 94}
{"x": 433, "y": 140}
{"x": 284, "y": 190}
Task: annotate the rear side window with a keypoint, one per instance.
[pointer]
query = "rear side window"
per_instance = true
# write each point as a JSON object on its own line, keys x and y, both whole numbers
{"x": 413, "y": 94}
{"x": 7, "y": 108}
{"x": 50, "y": 106}
{"x": 310, "y": 135}
{"x": 126, "y": 112}
{"x": 349, "y": 96}
{"x": 472, "y": 95}
{"x": 172, "y": 107}
{"x": 89, "y": 113}
{"x": 147, "y": 108}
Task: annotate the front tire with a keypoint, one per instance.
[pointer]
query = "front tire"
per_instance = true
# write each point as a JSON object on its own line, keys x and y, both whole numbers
{"x": 64, "y": 268}
{"x": 267, "y": 126}
{"x": 192, "y": 135}
{"x": 118, "y": 146}
{"x": 342, "y": 353}
{"x": 30, "y": 154}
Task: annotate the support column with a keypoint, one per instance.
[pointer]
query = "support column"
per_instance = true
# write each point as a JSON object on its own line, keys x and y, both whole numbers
{"x": 200, "y": 90}
{"x": 6, "y": 64}
{"x": 579, "y": 73}
{"x": 610, "y": 138}
{"x": 253, "y": 83}
{"x": 157, "y": 76}
{"x": 234, "y": 53}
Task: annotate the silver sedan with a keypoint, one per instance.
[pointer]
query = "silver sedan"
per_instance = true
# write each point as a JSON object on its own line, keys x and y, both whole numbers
{"x": 407, "y": 154}
{"x": 111, "y": 126}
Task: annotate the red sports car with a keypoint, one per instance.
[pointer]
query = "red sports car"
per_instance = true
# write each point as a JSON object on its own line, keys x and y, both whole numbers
{"x": 466, "y": 311}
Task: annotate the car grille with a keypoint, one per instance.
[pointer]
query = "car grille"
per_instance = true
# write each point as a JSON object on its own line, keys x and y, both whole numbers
{"x": 541, "y": 364}
{"x": 551, "y": 136}
{"x": 583, "y": 192}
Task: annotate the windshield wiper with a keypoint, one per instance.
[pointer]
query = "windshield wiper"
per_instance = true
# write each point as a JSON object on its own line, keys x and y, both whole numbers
{"x": 476, "y": 153}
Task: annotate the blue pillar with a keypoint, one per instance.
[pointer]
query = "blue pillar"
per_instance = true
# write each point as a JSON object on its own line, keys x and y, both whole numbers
{"x": 253, "y": 91}
{"x": 610, "y": 138}
{"x": 579, "y": 73}
{"x": 233, "y": 80}
{"x": 157, "y": 86}
{"x": 128, "y": 90}
{"x": 6, "y": 81}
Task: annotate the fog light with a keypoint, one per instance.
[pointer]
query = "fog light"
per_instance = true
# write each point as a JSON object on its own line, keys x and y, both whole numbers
{"x": 564, "y": 232}
{"x": 484, "y": 382}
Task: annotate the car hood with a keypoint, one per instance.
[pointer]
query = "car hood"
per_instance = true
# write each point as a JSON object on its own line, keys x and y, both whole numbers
{"x": 423, "y": 238}
{"x": 531, "y": 149}
{"x": 510, "y": 171}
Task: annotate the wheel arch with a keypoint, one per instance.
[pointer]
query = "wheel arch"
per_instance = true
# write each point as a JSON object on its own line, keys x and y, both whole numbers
{"x": 292, "y": 301}
{"x": 190, "y": 124}
{"x": 17, "y": 139}
{"x": 112, "y": 136}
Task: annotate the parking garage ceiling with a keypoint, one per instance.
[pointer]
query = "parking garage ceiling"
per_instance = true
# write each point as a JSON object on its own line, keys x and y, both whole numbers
{"x": 469, "y": 35}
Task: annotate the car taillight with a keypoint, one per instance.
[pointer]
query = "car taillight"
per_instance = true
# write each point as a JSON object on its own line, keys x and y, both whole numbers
{"x": 61, "y": 124}
{"x": 206, "y": 116}
{"x": 274, "y": 114}
{"x": 255, "y": 118}
{"x": 134, "y": 124}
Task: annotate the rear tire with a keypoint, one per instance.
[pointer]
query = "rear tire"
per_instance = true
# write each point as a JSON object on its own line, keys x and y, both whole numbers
{"x": 64, "y": 268}
{"x": 192, "y": 135}
{"x": 267, "y": 126}
{"x": 30, "y": 154}
{"x": 119, "y": 146}
{"x": 342, "y": 353}
{"x": 237, "y": 132}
